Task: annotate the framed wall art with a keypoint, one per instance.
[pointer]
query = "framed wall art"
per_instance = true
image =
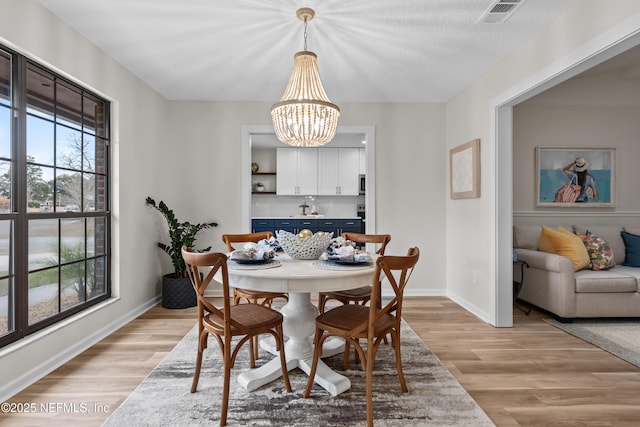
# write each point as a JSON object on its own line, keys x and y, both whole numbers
{"x": 464, "y": 170}
{"x": 575, "y": 177}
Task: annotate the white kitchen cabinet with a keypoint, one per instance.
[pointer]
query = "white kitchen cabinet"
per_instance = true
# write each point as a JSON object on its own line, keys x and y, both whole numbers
{"x": 297, "y": 171}
{"x": 338, "y": 171}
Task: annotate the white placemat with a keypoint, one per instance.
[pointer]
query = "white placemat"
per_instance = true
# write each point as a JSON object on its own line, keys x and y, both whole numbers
{"x": 328, "y": 265}
{"x": 270, "y": 264}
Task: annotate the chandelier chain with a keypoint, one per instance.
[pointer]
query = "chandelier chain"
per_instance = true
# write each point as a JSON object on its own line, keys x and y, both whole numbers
{"x": 305, "y": 33}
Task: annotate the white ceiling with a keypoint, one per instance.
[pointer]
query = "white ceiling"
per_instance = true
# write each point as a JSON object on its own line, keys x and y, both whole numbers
{"x": 368, "y": 50}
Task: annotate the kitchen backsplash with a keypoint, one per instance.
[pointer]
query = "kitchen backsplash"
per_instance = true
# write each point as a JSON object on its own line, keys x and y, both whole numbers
{"x": 284, "y": 206}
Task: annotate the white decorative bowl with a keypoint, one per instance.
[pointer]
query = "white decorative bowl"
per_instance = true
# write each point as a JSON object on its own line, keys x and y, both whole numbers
{"x": 303, "y": 247}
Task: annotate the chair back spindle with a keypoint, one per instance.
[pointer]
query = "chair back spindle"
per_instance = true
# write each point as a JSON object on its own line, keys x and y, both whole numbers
{"x": 228, "y": 239}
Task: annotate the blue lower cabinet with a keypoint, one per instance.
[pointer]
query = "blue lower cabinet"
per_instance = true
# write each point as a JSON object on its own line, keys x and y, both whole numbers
{"x": 350, "y": 225}
{"x": 258, "y": 225}
{"x": 286, "y": 225}
{"x": 328, "y": 226}
{"x": 294, "y": 225}
{"x": 339, "y": 226}
{"x": 309, "y": 224}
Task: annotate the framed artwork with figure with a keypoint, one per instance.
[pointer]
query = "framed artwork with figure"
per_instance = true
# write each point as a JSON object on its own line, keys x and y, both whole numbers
{"x": 575, "y": 177}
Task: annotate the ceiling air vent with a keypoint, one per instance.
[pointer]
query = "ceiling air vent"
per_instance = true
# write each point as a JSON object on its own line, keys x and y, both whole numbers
{"x": 500, "y": 11}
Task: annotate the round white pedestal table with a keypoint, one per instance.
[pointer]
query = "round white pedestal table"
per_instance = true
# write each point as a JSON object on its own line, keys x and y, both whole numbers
{"x": 299, "y": 278}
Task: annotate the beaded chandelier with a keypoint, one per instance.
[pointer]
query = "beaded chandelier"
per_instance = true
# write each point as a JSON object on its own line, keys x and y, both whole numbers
{"x": 305, "y": 117}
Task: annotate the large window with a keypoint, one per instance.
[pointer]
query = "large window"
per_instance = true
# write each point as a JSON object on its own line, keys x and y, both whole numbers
{"x": 54, "y": 197}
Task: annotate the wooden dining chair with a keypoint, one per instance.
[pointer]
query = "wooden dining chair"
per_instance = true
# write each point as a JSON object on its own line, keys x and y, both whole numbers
{"x": 359, "y": 295}
{"x": 354, "y": 322}
{"x": 243, "y": 320}
{"x": 249, "y": 295}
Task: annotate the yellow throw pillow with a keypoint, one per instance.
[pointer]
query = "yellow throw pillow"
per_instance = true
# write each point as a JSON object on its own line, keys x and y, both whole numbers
{"x": 565, "y": 231}
{"x": 544, "y": 244}
{"x": 565, "y": 243}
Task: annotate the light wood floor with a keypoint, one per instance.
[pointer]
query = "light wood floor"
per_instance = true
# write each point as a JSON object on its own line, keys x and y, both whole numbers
{"x": 530, "y": 375}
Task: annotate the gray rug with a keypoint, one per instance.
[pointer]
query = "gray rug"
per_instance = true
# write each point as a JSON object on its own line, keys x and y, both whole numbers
{"x": 619, "y": 337}
{"x": 435, "y": 398}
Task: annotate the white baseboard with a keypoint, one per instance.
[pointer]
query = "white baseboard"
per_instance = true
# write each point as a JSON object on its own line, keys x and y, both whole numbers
{"x": 420, "y": 293}
{"x": 482, "y": 315}
{"x": 56, "y": 360}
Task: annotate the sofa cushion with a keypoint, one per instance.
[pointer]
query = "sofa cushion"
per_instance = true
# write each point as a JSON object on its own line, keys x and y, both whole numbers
{"x": 632, "y": 249}
{"x": 630, "y": 271}
{"x": 526, "y": 236}
{"x": 610, "y": 234}
{"x": 563, "y": 242}
{"x": 613, "y": 280}
{"x": 599, "y": 251}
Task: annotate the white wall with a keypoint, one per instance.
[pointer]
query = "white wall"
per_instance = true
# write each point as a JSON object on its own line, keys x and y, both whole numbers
{"x": 137, "y": 166}
{"x": 576, "y": 126}
{"x": 187, "y": 153}
{"x": 472, "y": 225}
{"x": 410, "y": 176}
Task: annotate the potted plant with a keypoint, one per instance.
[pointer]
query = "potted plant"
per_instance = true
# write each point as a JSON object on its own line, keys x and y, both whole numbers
{"x": 259, "y": 186}
{"x": 177, "y": 291}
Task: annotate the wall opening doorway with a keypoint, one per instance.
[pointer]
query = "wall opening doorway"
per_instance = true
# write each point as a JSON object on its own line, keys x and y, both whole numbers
{"x": 252, "y": 133}
{"x": 619, "y": 39}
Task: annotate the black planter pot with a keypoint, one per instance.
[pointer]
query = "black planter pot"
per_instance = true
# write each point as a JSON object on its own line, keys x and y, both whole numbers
{"x": 177, "y": 292}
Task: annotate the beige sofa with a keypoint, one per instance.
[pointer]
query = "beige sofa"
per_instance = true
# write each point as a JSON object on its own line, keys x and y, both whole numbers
{"x": 550, "y": 282}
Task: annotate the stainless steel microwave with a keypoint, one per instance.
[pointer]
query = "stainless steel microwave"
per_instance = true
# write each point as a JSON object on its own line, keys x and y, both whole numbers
{"x": 363, "y": 184}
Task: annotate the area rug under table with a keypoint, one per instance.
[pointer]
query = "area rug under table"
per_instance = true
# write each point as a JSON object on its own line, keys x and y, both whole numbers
{"x": 435, "y": 398}
{"x": 620, "y": 337}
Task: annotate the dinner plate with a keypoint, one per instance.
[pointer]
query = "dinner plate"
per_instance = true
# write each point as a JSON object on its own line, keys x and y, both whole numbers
{"x": 251, "y": 261}
{"x": 349, "y": 262}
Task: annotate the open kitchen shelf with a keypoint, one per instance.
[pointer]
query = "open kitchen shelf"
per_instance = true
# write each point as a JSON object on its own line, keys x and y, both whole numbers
{"x": 270, "y": 174}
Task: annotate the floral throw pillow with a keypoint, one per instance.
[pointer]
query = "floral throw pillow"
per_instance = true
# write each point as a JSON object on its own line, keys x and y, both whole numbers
{"x": 599, "y": 251}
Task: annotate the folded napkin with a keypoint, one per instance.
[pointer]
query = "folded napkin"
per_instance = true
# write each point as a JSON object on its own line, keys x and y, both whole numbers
{"x": 338, "y": 243}
{"x": 341, "y": 249}
{"x": 361, "y": 257}
{"x": 253, "y": 252}
{"x": 344, "y": 252}
{"x": 271, "y": 242}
